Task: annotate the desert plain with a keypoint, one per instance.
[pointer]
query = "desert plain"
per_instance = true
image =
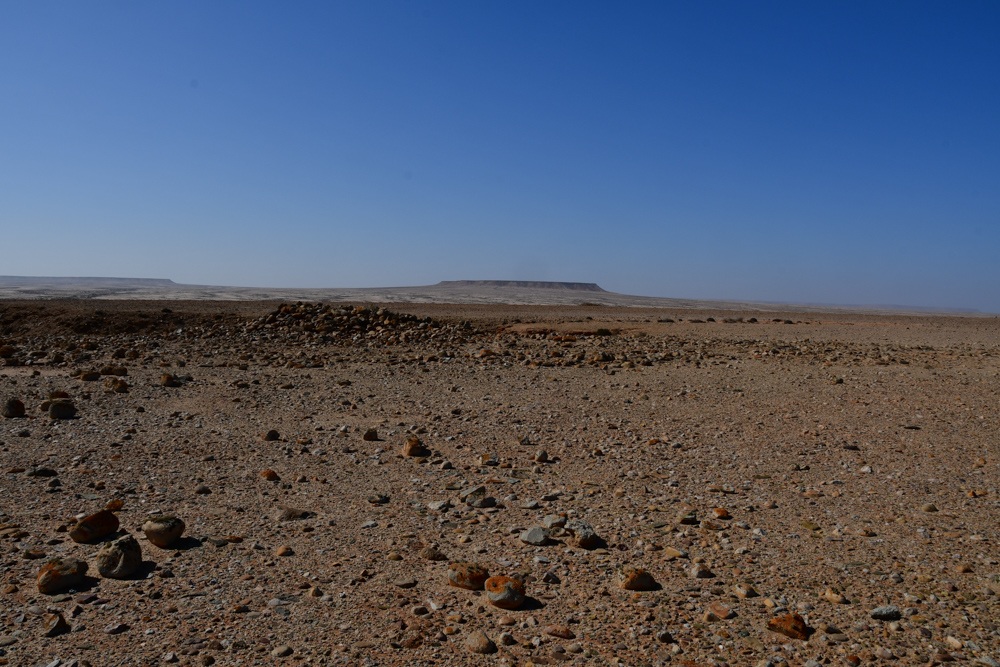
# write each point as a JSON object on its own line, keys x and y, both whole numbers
{"x": 643, "y": 486}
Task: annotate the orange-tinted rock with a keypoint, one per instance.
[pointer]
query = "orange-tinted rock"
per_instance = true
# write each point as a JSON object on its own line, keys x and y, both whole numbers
{"x": 560, "y": 631}
{"x": 504, "y": 592}
{"x": 269, "y": 475}
{"x": 636, "y": 579}
{"x": 789, "y": 625}
{"x": 94, "y": 526}
{"x": 168, "y": 380}
{"x": 469, "y": 576}
{"x": 60, "y": 573}
{"x": 414, "y": 447}
{"x": 721, "y": 513}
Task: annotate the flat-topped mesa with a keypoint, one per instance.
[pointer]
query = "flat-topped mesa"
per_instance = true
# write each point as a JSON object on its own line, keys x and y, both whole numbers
{"x": 84, "y": 281}
{"x": 523, "y": 284}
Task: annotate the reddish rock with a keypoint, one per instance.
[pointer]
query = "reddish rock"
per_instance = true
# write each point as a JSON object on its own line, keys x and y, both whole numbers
{"x": 60, "y": 573}
{"x": 789, "y": 625}
{"x": 636, "y": 579}
{"x": 414, "y": 447}
{"x": 269, "y": 475}
{"x": 560, "y": 631}
{"x": 504, "y": 592}
{"x": 469, "y": 576}
{"x": 94, "y": 526}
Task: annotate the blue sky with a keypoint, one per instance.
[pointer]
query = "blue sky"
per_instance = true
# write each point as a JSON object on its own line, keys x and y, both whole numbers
{"x": 839, "y": 152}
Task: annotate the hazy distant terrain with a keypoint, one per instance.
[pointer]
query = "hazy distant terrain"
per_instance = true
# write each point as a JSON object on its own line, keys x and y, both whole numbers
{"x": 514, "y": 292}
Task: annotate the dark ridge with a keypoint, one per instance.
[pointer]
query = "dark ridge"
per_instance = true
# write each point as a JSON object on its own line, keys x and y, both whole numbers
{"x": 84, "y": 282}
{"x": 524, "y": 284}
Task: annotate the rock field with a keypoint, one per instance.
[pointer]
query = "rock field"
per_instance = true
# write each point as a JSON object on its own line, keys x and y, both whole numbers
{"x": 251, "y": 483}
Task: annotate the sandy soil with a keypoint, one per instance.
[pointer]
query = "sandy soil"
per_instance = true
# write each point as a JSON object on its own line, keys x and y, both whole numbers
{"x": 833, "y": 464}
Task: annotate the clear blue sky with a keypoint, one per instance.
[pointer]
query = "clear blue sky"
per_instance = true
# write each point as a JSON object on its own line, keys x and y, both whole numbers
{"x": 840, "y": 152}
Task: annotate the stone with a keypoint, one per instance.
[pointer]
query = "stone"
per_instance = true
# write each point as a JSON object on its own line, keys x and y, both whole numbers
{"x": 790, "y": 625}
{"x": 886, "y": 613}
{"x": 292, "y": 514}
{"x": 202, "y": 490}
{"x": 929, "y": 507}
{"x": 95, "y": 526}
{"x": 636, "y": 579}
{"x": 536, "y": 536}
{"x": 834, "y": 596}
{"x": 119, "y": 558}
{"x": 284, "y": 550}
{"x": 744, "y": 591}
{"x": 62, "y": 408}
{"x": 168, "y": 380}
{"x": 478, "y": 642}
{"x": 269, "y": 475}
{"x": 162, "y": 531}
{"x": 582, "y": 534}
{"x": 271, "y": 436}
{"x": 700, "y": 571}
{"x": 282, "y": 651}
{"x": 60, "y": 573}
{"x": 721, "y": 611}
{"x": 370, "y": 435}
{"x": 405, "y": 582}
{"x": 470, "y": 576}
{"x": 115, "y": 628}
{"x": 12, "y": 409}
{"x": 54, "y": 625}
{"x": 504, "y": 592}
{"x": 413, "y": 446}
{"x": 431, "y": 553}
{"x": 541, "y": 456}
{"x": 554, "y": 521}
{"x": 561, "y": 631}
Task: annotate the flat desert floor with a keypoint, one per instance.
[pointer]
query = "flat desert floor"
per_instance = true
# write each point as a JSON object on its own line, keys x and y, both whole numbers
{"x": 659, "y": 486}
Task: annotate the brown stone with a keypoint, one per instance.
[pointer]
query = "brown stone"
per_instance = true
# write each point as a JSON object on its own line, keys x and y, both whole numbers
{"x": 789, "y": 625}
{"x": 469, "y": 576}
{"x": 60, "y": 573}
{"x": 162, "y": 531}
{"x": 636, "y": 579}
{"x": 414, "y": 447}
{"x": 94, "y": 526}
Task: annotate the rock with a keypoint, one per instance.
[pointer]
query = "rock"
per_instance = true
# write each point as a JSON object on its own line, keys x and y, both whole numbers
{"x": 120, "y": 558}
{"x": 744, "y": 591}
{"x": 582, "y": 534}
{"x": 541, "y": 456}
{"x": 700, "y": 571}
{"x": 636, "y": 579}
{"x": 168, "y": 380}
{"x": 886, "y": 613}
{"x": 41, "y": 471}
{"x": 439, "y": 505}
{"x": 834, "y": 596}
{"x": 269, "y": 475}
{"x": 554, "y": 521}
{"x": 469, "y": 576}
{"x": 12, "y": 409}
{"x": 292, "y": 514}
{"x": 789, "y": 625}
{"x": 405, "y": 582}
{"x": 431, "y": 553}
{"x": 561, "y": 631}
{"x": 162, "y": 531}
{"x": 115, "y": 628}
{"x": 370, "y": 435}
{"x": 95, "y": 526}
{"x": 54, "y": 625}
{"x": 282, "y": 651}
{"x": 414, "y": 447}
{"x": 929, "y": 507}
{"x": 202, "y": 490}
{"x": 271, "y": 436}
{"x": 720, "y": 610}
{"x": 62, "y": 408}
{"x": 478, "y": 642}
{"x": 284, "y": 550}
{"x": 60, "y": 573}
{"x": 721, "y": 513}
{"x": 504, "y": 592}
{"x": 469, "y": 494}
{"x": 536, "y": 536}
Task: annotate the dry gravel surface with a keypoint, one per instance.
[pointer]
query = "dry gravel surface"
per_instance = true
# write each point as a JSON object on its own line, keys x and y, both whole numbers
{"x": 420, "y": 484}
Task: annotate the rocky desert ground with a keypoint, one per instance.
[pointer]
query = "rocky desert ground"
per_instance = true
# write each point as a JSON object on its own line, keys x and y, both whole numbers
{"x": 421, "y": 484}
